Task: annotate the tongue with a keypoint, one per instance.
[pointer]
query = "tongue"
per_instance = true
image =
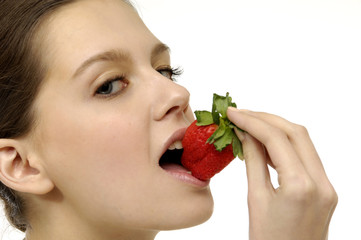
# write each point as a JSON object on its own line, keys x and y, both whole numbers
{"x": 172, "y": 167}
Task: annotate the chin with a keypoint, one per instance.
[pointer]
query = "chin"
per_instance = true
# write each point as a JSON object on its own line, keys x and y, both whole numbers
{"x": 190, "y": 215}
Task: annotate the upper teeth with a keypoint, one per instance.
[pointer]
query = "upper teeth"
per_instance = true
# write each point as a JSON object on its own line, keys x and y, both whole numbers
{"x": 176, "y": 145}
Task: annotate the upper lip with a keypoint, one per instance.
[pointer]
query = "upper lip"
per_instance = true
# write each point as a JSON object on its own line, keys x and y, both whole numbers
{"x": 177, "y": 135}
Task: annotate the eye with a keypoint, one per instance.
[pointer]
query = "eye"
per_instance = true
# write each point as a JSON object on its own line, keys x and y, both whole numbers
{"x": 170, "y": 73}
{"x": 112, "y": 86}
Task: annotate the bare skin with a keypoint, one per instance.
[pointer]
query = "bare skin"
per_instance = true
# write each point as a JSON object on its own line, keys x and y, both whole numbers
{"x": 302, "y": 206}
{"x": 105, "y": 114}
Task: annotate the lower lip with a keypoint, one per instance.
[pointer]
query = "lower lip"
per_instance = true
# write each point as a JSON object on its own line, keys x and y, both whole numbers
{"x": 182, "y": 174}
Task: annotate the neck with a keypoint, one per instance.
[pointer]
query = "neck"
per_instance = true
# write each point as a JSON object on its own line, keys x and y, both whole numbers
{"x": 59, "y": 221}
{"x": 77, "y": 232}
{"x": 34, "y": 234}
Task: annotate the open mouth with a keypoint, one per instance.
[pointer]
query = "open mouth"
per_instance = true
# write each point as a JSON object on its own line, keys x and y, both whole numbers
{"x": 171, "y": 163}
{"x": 171, "y": 159}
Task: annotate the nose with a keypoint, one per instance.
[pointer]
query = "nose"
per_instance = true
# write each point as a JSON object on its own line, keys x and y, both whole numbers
{"x": 170, "y": 99}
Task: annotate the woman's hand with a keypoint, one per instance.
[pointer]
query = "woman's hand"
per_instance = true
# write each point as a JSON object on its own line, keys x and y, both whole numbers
{"x": 303, "y": 204}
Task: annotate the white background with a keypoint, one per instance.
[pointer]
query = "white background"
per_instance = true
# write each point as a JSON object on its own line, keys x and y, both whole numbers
{"x": 300, "y": 59}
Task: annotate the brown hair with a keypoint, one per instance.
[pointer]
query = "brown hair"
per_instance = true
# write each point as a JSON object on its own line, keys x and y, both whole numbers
{"x": 21, "y": 74}
{"x": 20, "y": 79}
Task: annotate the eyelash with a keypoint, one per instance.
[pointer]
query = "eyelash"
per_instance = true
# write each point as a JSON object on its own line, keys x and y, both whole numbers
{"x": 173, "y": 72}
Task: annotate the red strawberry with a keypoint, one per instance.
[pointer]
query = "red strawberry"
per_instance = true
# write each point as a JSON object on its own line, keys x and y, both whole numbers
{"x": 210, "y": 143}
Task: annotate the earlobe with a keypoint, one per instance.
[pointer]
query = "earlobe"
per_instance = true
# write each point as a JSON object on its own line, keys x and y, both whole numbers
{"x": 19, "y": 171}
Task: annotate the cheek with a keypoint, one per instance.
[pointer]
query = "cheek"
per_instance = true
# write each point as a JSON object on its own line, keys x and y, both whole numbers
{"x": 93, "y": 153}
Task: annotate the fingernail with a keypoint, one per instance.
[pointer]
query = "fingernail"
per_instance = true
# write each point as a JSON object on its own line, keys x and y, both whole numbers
{"x": 233, "y": 109}
{"x": 241, "y": 135}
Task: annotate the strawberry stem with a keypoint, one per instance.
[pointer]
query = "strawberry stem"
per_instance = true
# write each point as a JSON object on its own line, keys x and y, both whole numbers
{"x": 224, "y": 135}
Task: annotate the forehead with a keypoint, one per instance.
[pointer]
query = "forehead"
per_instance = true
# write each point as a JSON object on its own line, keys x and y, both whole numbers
{"x": 84, "y": 28}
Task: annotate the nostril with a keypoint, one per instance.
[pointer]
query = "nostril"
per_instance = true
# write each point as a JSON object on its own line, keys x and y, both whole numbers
{"x": 173, "y": 109}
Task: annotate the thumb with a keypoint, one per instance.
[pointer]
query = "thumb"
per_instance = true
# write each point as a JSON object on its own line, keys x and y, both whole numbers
{"x": 256, "y": 162}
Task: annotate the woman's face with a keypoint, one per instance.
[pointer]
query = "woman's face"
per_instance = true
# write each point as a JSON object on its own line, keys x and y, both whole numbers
{"x": 106, "y": 113}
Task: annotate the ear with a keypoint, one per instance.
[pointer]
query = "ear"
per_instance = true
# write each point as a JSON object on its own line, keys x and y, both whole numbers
{"x": 20, "y": 171}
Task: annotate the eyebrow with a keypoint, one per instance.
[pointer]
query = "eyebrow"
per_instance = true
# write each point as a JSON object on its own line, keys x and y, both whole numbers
{"x": 117, "y": 55}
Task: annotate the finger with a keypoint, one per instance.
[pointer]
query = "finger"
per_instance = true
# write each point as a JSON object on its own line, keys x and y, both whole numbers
{"x": 256, "y": 163}
{"x": 300, "y": 139}
{"x": 279, "y": 148}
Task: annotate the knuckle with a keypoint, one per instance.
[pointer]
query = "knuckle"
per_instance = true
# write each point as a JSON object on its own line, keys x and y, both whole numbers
{"x": 328, "y": 197}
{"x": 298, "y": 131}
{"x": 301, "y": 189}
{"x": 304, "y": 191}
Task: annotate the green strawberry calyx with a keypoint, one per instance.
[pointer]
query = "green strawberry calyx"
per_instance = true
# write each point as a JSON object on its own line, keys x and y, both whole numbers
{"x": 225, "y": 134}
